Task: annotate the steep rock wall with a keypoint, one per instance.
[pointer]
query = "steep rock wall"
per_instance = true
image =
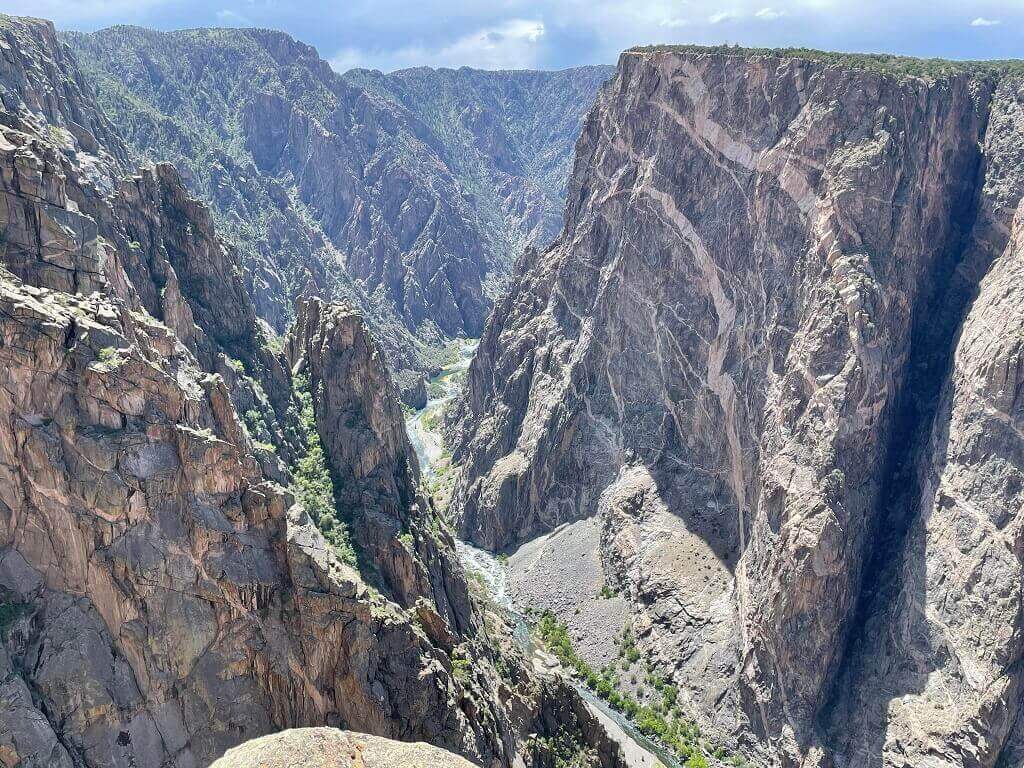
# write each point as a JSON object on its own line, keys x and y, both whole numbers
{"x": 162, "y": 596}
{"x": 730, "y": 354}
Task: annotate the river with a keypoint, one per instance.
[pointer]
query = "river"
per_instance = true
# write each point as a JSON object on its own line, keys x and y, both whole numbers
{"x": 425, "y": 436}
{"x": 424, "y": 425}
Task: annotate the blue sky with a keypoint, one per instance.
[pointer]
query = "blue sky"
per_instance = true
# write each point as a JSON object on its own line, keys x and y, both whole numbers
{"x": 518, "y": 34}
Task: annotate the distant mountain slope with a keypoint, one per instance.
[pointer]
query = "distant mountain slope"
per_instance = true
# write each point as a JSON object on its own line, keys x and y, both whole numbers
{"x": 508, "y": 137}
{"x": 361, "y": 185}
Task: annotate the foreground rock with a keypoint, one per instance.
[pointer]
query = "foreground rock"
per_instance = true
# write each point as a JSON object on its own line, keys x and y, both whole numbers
{"x": 330, "y": 748}
{"x": 752, "y": 353}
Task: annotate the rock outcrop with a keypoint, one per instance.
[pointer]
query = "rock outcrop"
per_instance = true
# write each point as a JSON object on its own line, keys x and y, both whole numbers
{"x": 374, "y": 467}
{"x": 378, "y": 190}
{"x": 330, "y": 748}
{"x": 162, "y": 596}
{"x": 738, "y": 355}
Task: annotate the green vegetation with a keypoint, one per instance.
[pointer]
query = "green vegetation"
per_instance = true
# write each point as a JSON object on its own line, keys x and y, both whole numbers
{"x": 606, "y": 592}
{"x": 256, "y": 424}
{"x": 462, "y": 667}
{"x": 313, "y": 485}
{"x": 564, "y": 750}
{"x": 627, "y": 649}
{"x": 432, "y": 420}
{"x": 275, "y": 343}
{"x": 441, "y": 484}
{"x": 10, "y": 611}
{"x": 661, "y": 720}
{"x": 874, "y": 62}
{"x": 478, "y": 587}
{"x": 110, "y": 358}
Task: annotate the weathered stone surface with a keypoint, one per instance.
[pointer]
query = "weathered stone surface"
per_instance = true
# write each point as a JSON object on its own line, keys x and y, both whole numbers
{"x": 735, "y": 355}
{"x": 331, "y": 748}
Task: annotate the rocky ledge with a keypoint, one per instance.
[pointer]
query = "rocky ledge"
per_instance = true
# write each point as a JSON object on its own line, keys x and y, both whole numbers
{"x": 331, "y": 748}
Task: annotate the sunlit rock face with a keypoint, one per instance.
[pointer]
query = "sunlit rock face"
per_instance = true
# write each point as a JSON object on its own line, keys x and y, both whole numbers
{"x": 330, "y": 748}
{"x": 163, "y": 597}
{"x": 753, "y": 353}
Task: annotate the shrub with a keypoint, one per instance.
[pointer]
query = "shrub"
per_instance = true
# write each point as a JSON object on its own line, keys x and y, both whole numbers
{"x": 680, "y": 736}
{"x": 313, "y": 485}
{"x": 110, "y": 358}
{"x": 462, "y": 667}
{"x": 10, "y": 612}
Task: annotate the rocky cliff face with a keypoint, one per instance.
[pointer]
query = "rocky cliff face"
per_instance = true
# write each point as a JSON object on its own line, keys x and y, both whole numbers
{"x": 374, "y": 468}
{"x": 507, "y": 136}
{"x": 162, "y": 596}
{"x": 367, "y": 188}
{"x": 738, "y": 355}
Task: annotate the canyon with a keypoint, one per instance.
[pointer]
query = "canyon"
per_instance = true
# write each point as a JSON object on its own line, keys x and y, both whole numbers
{"x": 407, "y": 195}
{"x": 733, "y": 476}
{"x": 205, "y": 538}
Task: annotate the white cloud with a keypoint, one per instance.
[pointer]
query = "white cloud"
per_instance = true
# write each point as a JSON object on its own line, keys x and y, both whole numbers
{"x": 389, "y": 34}
{"x": 233, "y": 19}
{"x": 350, "y": 58}
{"x": 511, "y": 44}
{"x": 721, "y": 16}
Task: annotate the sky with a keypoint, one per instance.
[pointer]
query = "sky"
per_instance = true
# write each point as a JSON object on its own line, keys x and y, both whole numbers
{"x": 532, "y": 34}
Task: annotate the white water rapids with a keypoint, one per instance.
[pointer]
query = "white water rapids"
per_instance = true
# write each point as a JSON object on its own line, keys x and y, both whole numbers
{"x": 426, "y": 439}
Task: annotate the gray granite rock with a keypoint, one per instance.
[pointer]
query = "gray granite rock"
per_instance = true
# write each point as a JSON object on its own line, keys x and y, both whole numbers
{"x": 737, "y": 355}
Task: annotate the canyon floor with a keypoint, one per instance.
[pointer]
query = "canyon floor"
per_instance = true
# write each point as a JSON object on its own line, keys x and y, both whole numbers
{"x": 559, "y": 572}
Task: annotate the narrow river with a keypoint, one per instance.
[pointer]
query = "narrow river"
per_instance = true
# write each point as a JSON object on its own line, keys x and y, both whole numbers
{"x": 425, "y": 435}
